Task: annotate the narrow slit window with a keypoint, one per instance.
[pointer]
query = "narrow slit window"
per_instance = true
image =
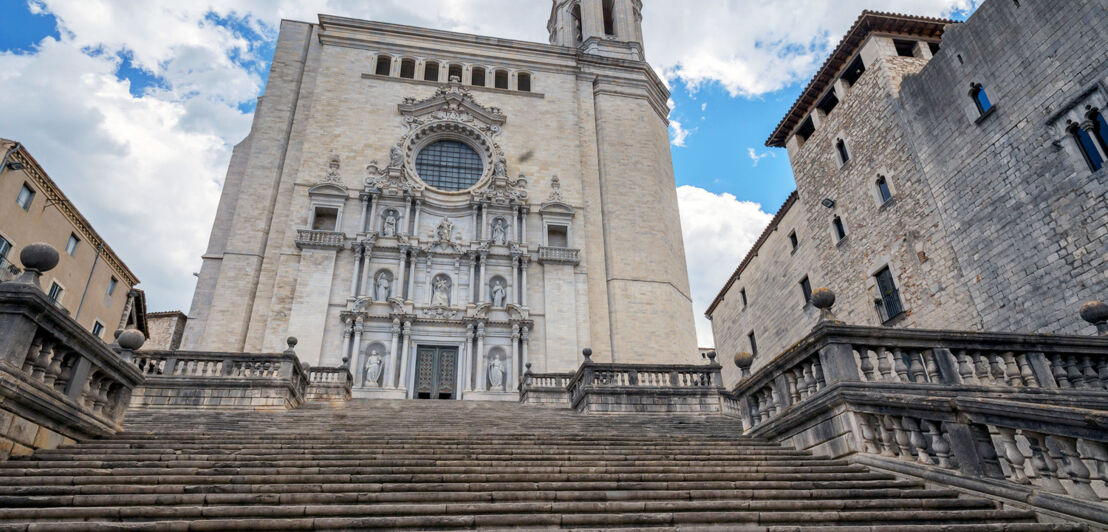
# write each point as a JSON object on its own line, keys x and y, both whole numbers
{"x": 384, "y": 66}
{"x": 883, "y": 189}
{"x": 501, "y": 79}
{"x": 806, "y": 289}
{"x": 523, "y": 82}
{"x": 793, "y": 240}
{"x": 844, "y": 155}
{"x": 609, "y": 19}
{"x": 1088, "y": 147}
{"x": 431, "y": 71}
{"x": 407, "y": 68}
{"x": 980, "y": 98}
{"x": 25, "y": 197}
{"x": 742, "y": 294}
{"x": 477, "y": 76}
{"x": 840, "y": 229}
{"x": 112, "y": 283}
{"x": 71, "y": 244}
{"x": 577, "y": 32}
{"x": 1100, "y": 128}
{"x": 56, "y": 292}
{"x": 753, "y": 343}
{"x": 97, "y": 329}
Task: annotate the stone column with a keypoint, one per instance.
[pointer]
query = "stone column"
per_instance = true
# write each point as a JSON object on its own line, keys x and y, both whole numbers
{"x": 525, "y": 334}
{"x": 418, "y": 209}
{"x": 482, "y": 367}
{"x": 407, "y": 211}
{"x": 525, "y": 261}
{"x": 403, "y": 359}
{"x": 411, "y": 278}
{"x": 484, "y": 294}
{"x": 481, "y": 220}
{"x": 460, "y": 376}
{"x": 468, "y": 358}
{"x": 365, "y": 211}
{"x": 473, "y": 218}
{"x": 367, "y": 271}
{"x": 523, "y": 226}
{"x": 394, "y": 355}
{"x": 515, "y": 279}
{"x": 512, "y": 384}
{"x": 401, "y": 281}
{"x": 372, "y": 215}
{"x": 356, "y": 248}
{"x": 1088, "y": 126}
{"x": 345, "y": 338}
{"x": 515, "y": 225}
{"x": 355, "y": 355}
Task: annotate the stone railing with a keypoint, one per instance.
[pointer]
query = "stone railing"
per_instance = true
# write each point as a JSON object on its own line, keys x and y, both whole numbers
{"x": 313, "y": 238}
{"x": 220, "y": 380}
{"x": 329, "y": 384}
{"x": 8, "y": 271}
{"x": 656, "y": 388}
{"x": 544, "y": 389}
{"x": 58, "y": 382}
{"x": 1016, "y": 416}
{"x": 559, "y": 255}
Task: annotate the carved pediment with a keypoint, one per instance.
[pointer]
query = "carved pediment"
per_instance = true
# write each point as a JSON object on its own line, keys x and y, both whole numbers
{"x": 452, "y": 101}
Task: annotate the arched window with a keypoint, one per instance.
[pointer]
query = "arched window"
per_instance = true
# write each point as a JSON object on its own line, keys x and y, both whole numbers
{"x": 840, "y": 229}
{"x": 883, "y": 191}
{"x": 1100, "y": 126}
{"x": 1089, "y": 142}
{"x": 478, "y": 76}
{"x": 844, "y": 156}
{"x": 384, "y": 65}
{"x": 455, "y": 72}
{"x": 501, "y": 79}
{"x": 523, "y": 82}
{"x": 407, "y": 68}
{"x": 575, "y": 13}
{"x": 431, "y": 71}
{"x": 609, "y": 18}
{"x": 980, "y": 98}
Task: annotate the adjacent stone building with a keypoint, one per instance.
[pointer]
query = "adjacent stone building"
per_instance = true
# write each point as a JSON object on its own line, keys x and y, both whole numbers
{"x": 91, "y": 282}
{"x": 949, "y": 175}
{"x": 442, "y": 209}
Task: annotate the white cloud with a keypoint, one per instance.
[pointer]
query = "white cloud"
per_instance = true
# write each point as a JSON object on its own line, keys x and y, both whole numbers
{"x": 678, "y": 134}
{"x": 704, "y": 106}
{"x": 146, "y": 170}
{"x": 718, "y": 229}
{"x": 755, "y": 156}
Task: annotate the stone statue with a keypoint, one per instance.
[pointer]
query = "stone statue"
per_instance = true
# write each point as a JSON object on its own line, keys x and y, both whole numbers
{"x": 390, "y": 224}
{"x": 499, "y": 294}
{"x": 445, "y": 230}
{"x": 440, "y": 293}
{"x": 496, "y": 373}
{"x": 501, "y": 168}
{"x": 500, "y": 232}
{"x": 383, "y": 285}
{"x": 372, "y": 368}
{"x": 396, "y": 157}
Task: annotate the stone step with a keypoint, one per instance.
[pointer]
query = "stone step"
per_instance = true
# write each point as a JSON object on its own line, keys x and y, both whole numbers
{"x": 342, "y": 460}
{"x": 831, "y": 498}
{"x": 168, "y": 511}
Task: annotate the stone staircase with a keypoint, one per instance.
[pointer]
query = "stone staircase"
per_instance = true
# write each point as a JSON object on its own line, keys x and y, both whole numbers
{"x": 457, "y": 465}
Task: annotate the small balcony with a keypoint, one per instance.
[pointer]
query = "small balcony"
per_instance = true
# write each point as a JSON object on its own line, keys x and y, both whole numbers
{"x": 316, "y": 239}
{"x": 556, "y": 255}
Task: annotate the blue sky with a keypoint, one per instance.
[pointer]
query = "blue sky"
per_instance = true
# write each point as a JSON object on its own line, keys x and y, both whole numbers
{"x": 149, "y": 97}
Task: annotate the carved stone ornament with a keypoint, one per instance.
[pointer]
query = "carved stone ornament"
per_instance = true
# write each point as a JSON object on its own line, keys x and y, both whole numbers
{"x": 392, "y": 180}
{"x": 556, "y": 190}
{"x": 503, "y": 190}
{"x": 496, "y": 373}
{"x": 373, "y": 366}
{"x": 332, "y": 176}
{"x": 361, "y": 304}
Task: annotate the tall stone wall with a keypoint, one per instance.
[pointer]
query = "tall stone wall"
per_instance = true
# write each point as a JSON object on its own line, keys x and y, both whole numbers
{"x": 1026, "y": 215}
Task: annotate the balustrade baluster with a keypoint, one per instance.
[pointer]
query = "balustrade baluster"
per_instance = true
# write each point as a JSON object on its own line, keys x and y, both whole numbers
{"x": 1074, "y": 373}
{"x": 900, "y": 366}
{"x": 864, "y": 363}
{"x": 915, "y": 366}
{"x": 42, "y": 361}
{"x": 939, "y": 444}
{"x": 884, "y": 366}
{"x": 1092, "y": 380}
{"x": 1104, "y": 372}
{"x": 887, "y": 443}
{"x": 965, "y": 368}
{"x": 1046, "y": 470}
{"x": 55, "y": 367}
{"x": 1012, "y": 370}
{"x": 931, "y": 366}
{"x": 1010, "y": 455}
{"x": 981, "y": 368}
{"x": 868, "y": 436}
{"x": 32, "y": 355}
{"x": 1058, "y": 368}
{"x": 805, "y": 381}
{"x": 1027, "y": 373}
{"x": 1074, "y": 469}
{"x": 817, "y": 375}
{"x": 996, "y": 369}
{"x": 903, "y": 443}
{"x": 915, "y": 438}
{"x": 794, "y": 394}
{"x": 1099, "y": 455}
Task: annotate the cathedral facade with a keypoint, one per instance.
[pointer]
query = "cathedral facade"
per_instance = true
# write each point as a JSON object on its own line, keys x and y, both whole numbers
{"x": 443, "y": 209}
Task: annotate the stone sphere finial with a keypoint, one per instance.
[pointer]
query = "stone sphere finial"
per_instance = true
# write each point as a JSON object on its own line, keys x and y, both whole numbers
{"x": 346, "y": 362}
{"x": 712, "y": 357}
{"x": 587, "y": 352}
{"x": 743, "y": 360}
{"x": 823, "y": 299}
{"x": 37, "y": 258}
{"x": 1096, "y": 313}
{"x": 131, "y": 339}
{"x": 291, "y": 341}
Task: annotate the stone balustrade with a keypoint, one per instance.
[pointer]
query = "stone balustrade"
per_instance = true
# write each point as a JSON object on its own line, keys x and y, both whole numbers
{"x": 58, "y": 382}
{"x": 313, "y": 238}
{"x": 544, "y": 389}
{"x": 329, "y": 383}
{"x": 220, "y": 380}
{"x": 652, "y": 388}
{"x": 8, "y": 271}
{"x": 559, "y": 255}
{"x": 1023, "y": 417}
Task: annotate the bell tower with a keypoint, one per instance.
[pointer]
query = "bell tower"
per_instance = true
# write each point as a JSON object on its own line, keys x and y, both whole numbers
{"x": 610, "y": 28}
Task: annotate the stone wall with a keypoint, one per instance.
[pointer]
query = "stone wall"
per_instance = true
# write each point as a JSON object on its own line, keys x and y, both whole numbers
{"x": 165, "y": 330}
